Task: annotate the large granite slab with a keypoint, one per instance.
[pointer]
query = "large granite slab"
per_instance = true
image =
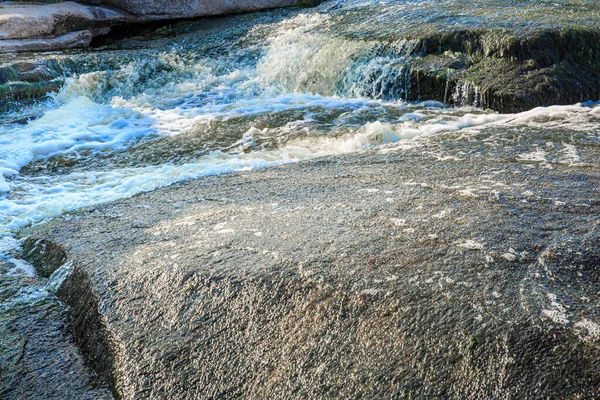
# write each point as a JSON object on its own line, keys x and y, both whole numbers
{"x": 426, "y": 271}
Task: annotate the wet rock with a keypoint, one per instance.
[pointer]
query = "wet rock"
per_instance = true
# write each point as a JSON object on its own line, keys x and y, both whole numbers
{"x": 508, "y": 71}
{"x": 26, "y": 91}
{"x": 503, "y": 70}
{"x": 381, "y": 274}
{"x": 31, "y": 79}
{"x": 38, "y": 358}
{"x": 507, "y": 65}
{"x": 45, "y": 256}
{"x": 32, "y": 71}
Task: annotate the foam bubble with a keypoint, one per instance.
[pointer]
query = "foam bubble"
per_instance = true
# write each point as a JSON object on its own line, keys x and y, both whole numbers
{"x": 20, "y": 268}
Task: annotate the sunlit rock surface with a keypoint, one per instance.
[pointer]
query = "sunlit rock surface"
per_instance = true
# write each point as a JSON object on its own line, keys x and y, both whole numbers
{"x": 461, "y": 262}
{"x": 192, "y": 8}
{"x": 48, "y": 26}
{"x": 38, "y": 21}
{"x": 415, "y": 271}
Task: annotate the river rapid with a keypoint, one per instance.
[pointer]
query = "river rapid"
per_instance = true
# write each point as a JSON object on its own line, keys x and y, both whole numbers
{"x": 237, "y": 94}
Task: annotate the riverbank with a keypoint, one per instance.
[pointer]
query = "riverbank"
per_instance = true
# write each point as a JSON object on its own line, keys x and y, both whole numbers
{"x": 417, "y": 270}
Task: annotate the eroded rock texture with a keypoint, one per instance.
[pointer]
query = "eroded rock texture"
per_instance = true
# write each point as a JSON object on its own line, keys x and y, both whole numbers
{"x": 192, "y": 8}
{"x": 419, "y": 272}
{"x": 38, "y": 357}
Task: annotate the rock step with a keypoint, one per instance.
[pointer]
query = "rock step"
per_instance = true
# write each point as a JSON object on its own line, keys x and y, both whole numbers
{"x": 71, "y": 40}
{"x": 503, "y": 71}
{"x": 304, "y": 281}
{"x": 43, "y": 21}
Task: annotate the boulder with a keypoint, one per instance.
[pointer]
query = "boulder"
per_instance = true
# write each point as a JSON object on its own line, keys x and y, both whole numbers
{"x": 71, "y": 40}
{"x": 66, "y": 25}
{"x": 49, "y": 27}
{"x": 44, "y": 21}
{"x": 38, "y": 358}
{"x": 506, "y": 71}
{"x": 420, "y": 272}
{"x": 192, "y": 8}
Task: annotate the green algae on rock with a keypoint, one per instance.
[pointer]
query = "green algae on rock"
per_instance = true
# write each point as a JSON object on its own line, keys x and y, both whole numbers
{"x": 506, "y": 73}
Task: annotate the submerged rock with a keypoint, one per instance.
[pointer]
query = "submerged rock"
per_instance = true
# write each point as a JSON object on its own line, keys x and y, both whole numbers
{"x": 420, "y": 272}
{"x": 30, "y": 79}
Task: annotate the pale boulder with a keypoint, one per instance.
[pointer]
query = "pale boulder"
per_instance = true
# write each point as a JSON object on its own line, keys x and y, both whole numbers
{"x": 38, "y": 21}
{"x": 193, "y": 8}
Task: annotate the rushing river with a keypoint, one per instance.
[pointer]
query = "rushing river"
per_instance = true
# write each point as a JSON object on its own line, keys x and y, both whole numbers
{"x": 237, "y": 94}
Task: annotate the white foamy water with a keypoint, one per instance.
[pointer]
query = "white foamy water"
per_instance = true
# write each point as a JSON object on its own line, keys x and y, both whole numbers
{"x": 37, "y": 198}
{"x": 21, "y": 268}
{"x": 79, "y": 124}
{"x": 82, "y": 124}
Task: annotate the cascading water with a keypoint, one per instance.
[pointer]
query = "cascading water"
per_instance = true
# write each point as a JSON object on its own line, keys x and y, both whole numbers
{"x": 236, "y": 94}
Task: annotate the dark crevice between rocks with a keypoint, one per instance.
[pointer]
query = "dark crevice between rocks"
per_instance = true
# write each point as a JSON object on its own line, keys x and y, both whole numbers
{"x": 145, "y": 31}
{"x": 164, "y": 28}
{"x": 44, "y": 255}
{"x": 506, "y": 73}
{"x": 90, "y": 332}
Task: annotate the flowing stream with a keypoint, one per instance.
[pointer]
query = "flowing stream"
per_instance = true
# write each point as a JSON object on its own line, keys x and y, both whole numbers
{"x": 236, "y": 94}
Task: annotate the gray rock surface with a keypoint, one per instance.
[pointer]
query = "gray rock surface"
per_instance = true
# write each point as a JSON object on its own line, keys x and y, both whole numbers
{"x": 38, "y": 21}
{"x": 71, "y": 40}
{"x": 47, "y": 27}
{"x": 65, "y": 25}
{"x": 38, "y": 358}
{"x": 422, "y": 272}
{"x": 192, "y": 8}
